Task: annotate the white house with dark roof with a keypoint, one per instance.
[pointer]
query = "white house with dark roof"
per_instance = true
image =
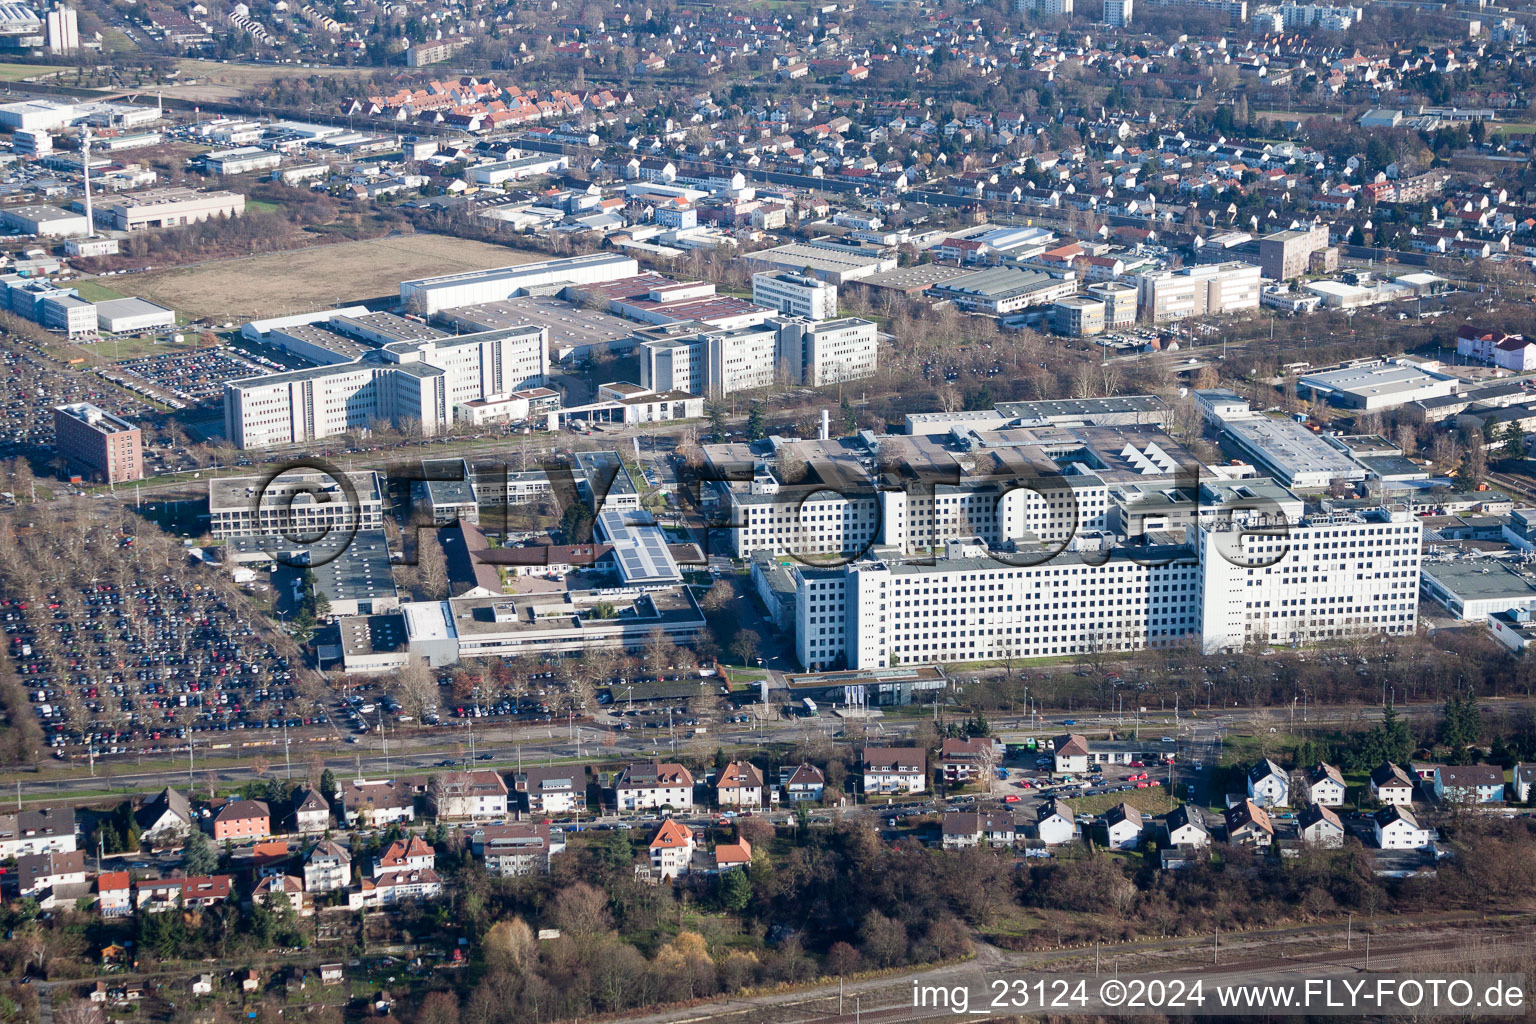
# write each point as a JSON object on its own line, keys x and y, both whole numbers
{"x": 895, "y": 770}
{"x": 167, "y": 817}
{"x": 1524, "y": 776}
{"x": 1055, "y": 822}
{"x": 1325, "y": 785}
{"x": 1396, "y": 828}
{"x": 552, "y": 790}
{"x": 1186, "y": 826}
{"x": 1269, "y": 785}
{"x": 311, "y": 812}
{"x": 1320, "y": 826}
{"x": 1123, "y": 827}
{"x": 962, "y": 829}
{"x": 1070, "y": 753}
{"x": 802, "y": 784}
{"x": 1391, "y": 785}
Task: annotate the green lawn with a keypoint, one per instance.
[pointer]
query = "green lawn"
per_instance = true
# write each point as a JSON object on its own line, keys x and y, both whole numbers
{"x": 261, "y": 206}
{"x": 16, "y": 72}
{"x": 1153, "y": 801}
{"x": 115, "y": 351}
{"x": 94, "y": 291}
{"x": 1516, "y": 128}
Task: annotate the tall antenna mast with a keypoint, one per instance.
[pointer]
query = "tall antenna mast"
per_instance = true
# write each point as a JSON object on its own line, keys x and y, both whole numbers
{"x": 85, "y": 165}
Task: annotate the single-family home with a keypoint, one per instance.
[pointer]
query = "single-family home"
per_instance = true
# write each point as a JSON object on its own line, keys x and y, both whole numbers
{"x": 803, "y": 783}
{"x": 243, "y": 819}
{"x": 36, "y": 873}
{"x": 1325, "y": 785}
{"x": 551, "y": 790}
{"x": 735, "y": 856}
{"x": 114, "y": 894}
{"x": 1186, "y": 826}
{"x": 1396, "y": 828}
{"x": 411, "y": 854}
{"x": 1070, "y": 753}
{"x": 1469, "y": 784}
{"x": 1055, "y": 822}
{"x": 894, "y": 770}
{"x": 1391, "y": 785}
{"x": 1318, "y": 825}
{"x": 277, "y": 892}
{"x": 371, "y": 804}
{"x": 740, "y": 784}
{"x": 1269, "y": 785}
{"x": 964, "y": 761}
{"x": 653, "y": 785}
{"x": 961, "y": 829}
{"x": 468, "y": 796}
{"x": 671, "y": 849}
{"x": 165, "y": 819}
{"x": 512, "y": 851}
{"x": 37, "y": 831}
{"x": 1248, "y": 824}
{"x": 1122, "y": 827}
{"x": 1520, "y": 787}
{"x": 327, "y": 867}
{"x": 311, "y": 812}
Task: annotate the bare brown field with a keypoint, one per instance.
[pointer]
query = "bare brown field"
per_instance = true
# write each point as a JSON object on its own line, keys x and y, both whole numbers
{"x": 214, "y": 81}
{"x": 279, "y": 283}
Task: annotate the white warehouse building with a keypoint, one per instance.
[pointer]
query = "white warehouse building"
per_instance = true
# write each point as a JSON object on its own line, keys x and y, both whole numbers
{"x": 430, "y": 295}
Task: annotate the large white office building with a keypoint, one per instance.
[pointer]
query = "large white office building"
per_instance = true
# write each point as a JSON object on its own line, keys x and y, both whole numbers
{"x": 972, "y": 605}
{"x": 414, "y": 385}
{"x": 795, "y": 294}
{"x": 822, "y": 352}
{"x": 1031, "y": 539}
{"x": 690, "y": 358}
{"x": 1203, "y": 289}
{"x": 1330, "y": 575}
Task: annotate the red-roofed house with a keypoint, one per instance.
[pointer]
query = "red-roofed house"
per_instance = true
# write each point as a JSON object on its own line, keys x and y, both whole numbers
{"x": 672, "y": 849}
{"x": 113, "y": 894}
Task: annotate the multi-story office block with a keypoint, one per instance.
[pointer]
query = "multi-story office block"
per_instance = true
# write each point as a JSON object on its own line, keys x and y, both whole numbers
{"x": 1078, "y": 316}
{"x": 1284, "y": 255}
{"x": 413, "y": 385}
{"x": 1326, "y": 576}
{"x": 1207, "y": 289}
{"x": 826, "y": 351}
{"x": 296, "y": 503}
{"x": 1119, "y": 303}
{"x": 104, "y": 446}
{"x": 795, "y": 295}
{"x": 973, "y": 604}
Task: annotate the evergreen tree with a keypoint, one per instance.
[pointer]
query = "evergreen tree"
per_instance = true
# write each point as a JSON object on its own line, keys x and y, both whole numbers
{"x": 757, "y": 427}
{"x": 735, "y": 890}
